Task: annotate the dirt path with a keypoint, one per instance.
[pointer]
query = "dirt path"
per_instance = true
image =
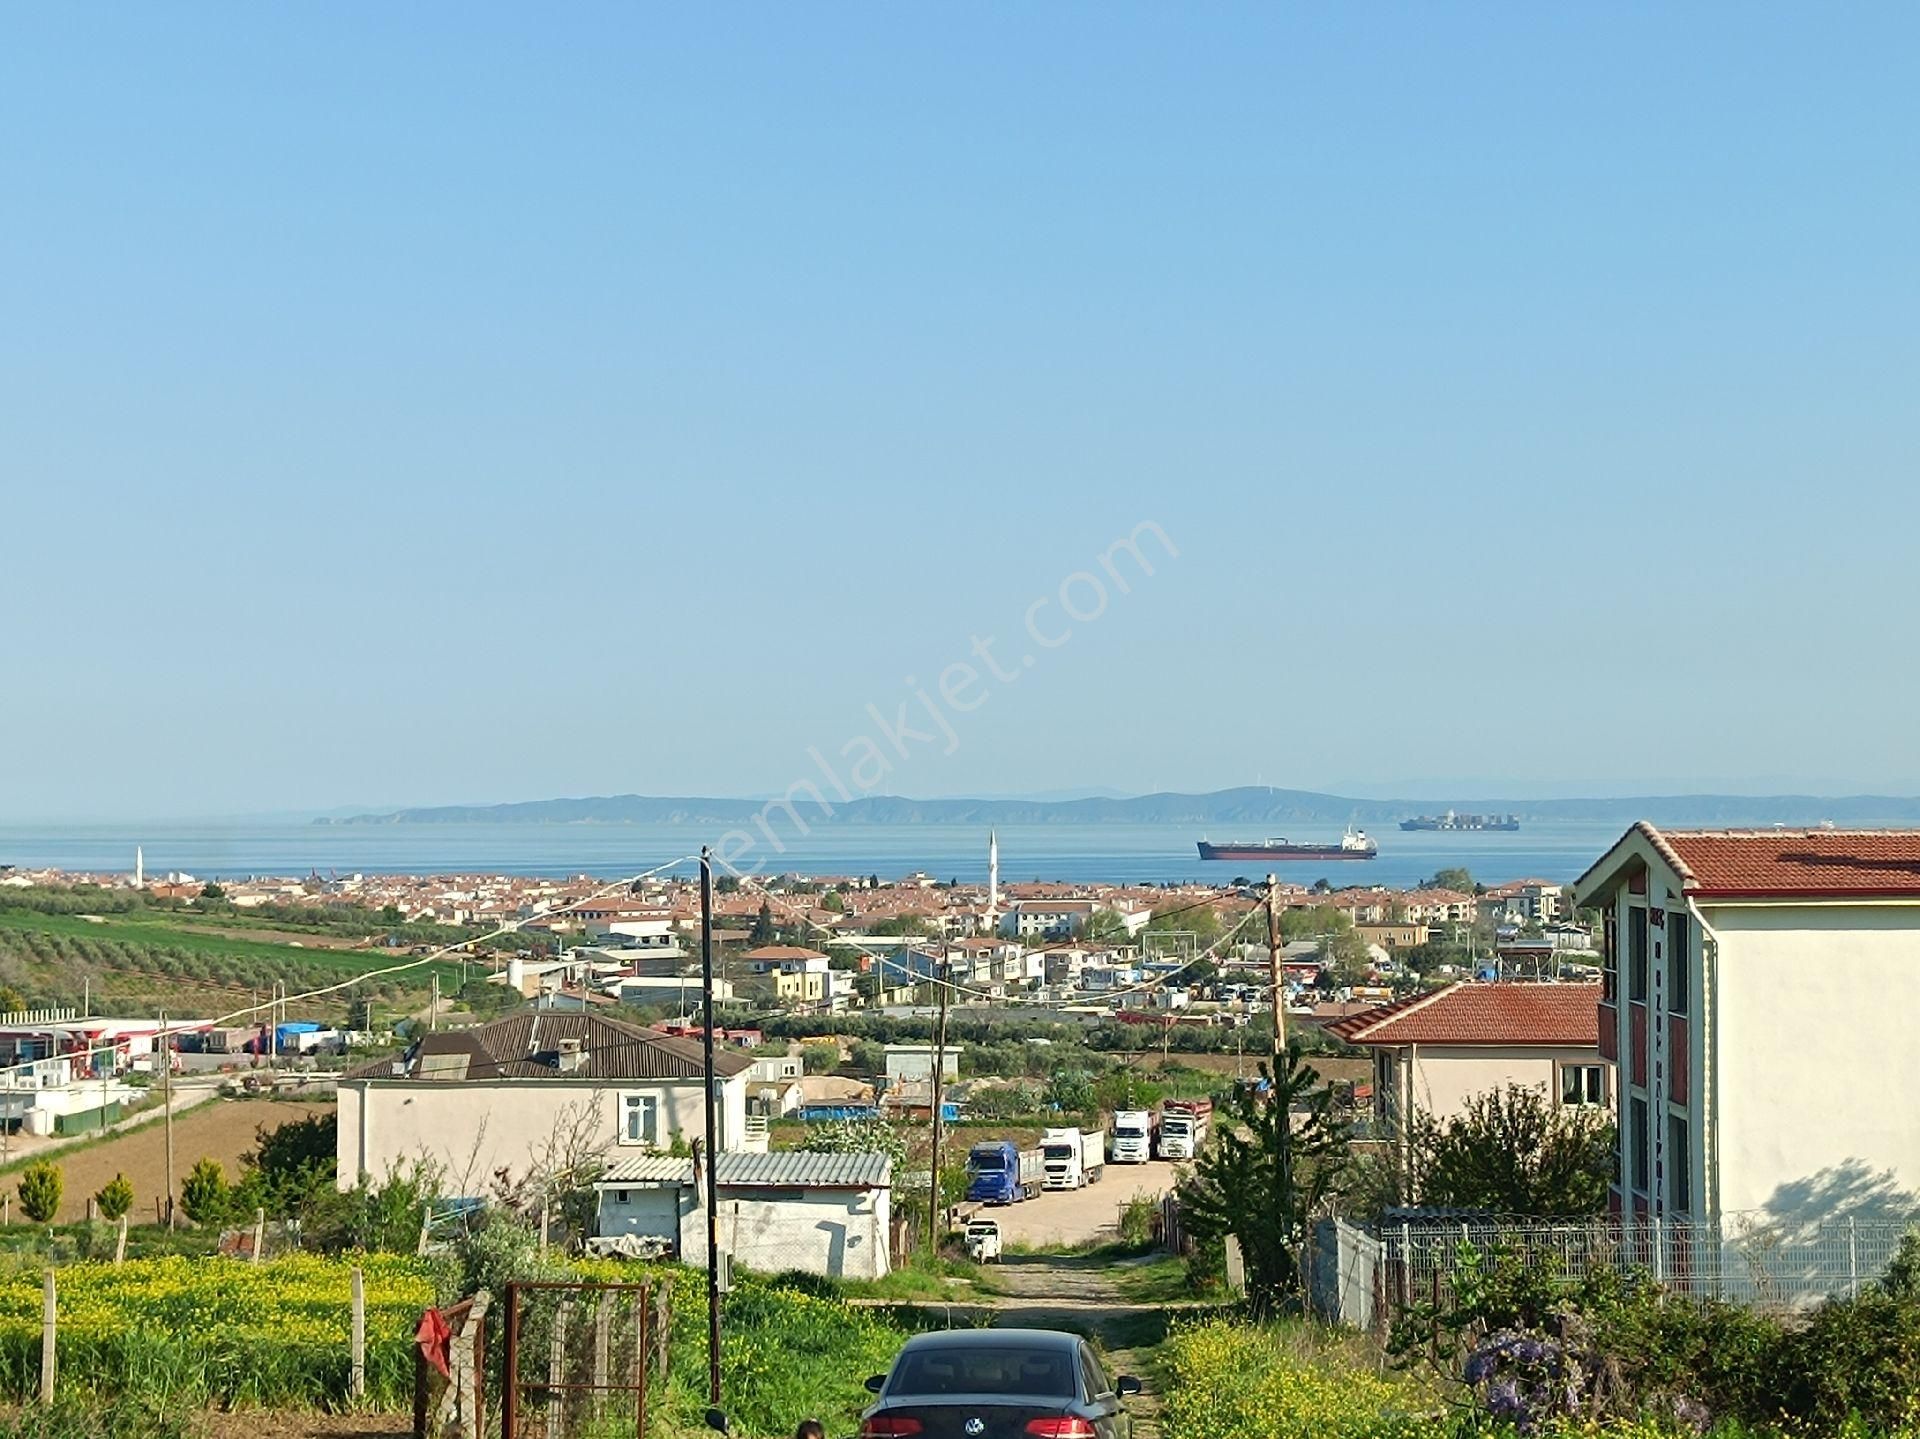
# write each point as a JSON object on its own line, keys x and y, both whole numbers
{"x": 1080, "y": 1293}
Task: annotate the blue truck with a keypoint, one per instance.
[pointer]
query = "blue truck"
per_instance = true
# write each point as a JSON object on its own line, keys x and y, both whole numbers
{"x": 999, "y": 1172}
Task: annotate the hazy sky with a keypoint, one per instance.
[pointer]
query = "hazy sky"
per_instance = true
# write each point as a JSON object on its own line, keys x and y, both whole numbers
{"x": 409, "y": 403}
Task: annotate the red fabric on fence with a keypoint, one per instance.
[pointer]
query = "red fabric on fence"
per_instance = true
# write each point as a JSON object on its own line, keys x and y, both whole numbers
{"x": 435, "y": 1340}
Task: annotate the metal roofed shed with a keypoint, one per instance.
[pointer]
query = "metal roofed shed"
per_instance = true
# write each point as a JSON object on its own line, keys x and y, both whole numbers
{"x": 819, "y": 1213}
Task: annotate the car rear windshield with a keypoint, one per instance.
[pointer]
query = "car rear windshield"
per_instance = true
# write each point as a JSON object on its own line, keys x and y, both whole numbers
{"x": 1025, "y": 1373}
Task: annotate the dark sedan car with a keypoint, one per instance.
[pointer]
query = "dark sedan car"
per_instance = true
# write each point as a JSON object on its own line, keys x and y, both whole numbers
{"x": 998, "y": 1384}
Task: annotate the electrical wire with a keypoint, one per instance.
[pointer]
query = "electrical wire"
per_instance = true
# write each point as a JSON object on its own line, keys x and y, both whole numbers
{"x": 231, "y": 1016}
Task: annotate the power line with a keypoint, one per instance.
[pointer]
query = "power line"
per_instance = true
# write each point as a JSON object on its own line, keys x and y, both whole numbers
{"x": 371, "y": 974}
{"x": 948, "y": 984}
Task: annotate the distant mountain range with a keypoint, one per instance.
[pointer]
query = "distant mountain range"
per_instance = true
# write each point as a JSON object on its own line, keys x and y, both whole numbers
{"x": 1249, "y": 805}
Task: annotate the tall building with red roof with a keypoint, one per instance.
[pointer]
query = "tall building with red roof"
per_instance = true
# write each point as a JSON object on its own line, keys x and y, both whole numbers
{"x": 1760, "y": 991}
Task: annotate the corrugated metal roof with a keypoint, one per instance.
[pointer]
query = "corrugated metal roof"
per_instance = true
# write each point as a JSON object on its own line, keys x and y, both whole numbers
{"x": 650, "y": 1169}
{"x": 785, "y": 1169}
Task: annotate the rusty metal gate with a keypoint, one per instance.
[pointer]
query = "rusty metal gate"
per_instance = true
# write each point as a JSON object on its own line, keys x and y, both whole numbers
{"x": 579, "y": 1359}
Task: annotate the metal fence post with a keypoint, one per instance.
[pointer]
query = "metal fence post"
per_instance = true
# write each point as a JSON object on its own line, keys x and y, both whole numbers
{"x": 1853, "y": 1259}
{"x": 1659, "y": 1252}
{"x": 509, "y": 1373}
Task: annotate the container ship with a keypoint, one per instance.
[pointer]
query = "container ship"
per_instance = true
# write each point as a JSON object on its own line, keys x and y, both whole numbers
{"x": 1451, "y": 820}
{"x": 1354, "y": 844}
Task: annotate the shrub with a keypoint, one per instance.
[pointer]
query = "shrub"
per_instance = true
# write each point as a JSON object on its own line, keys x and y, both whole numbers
{"x": 115, "y": 1197}
{"x": 205, "y": 1194}
{"x": 40, "y": 1186}
{"x": 1226, "y": 1380}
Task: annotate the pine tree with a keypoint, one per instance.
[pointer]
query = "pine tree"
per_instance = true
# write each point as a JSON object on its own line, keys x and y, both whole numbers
{"x": 40, "y": 1186}
{"x": 115, "y": 1197}
{"x": 1264, "y": 1176}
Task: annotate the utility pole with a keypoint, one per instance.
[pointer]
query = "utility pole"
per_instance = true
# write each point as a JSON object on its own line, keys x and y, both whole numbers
{"x": 943, "y": 983}
{"x": 166, "y": 1104}
{"x": 433, "y": 1007}
{"x": 1283, "y": 1165}
{"x": 713, "y": 1128}
{"x": 1279, "y": 970}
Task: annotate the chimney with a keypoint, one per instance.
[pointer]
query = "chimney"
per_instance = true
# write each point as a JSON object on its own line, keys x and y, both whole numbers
{"x": 570, "y": 1056}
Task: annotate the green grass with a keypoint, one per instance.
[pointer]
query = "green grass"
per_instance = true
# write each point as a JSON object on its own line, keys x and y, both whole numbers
{"x": 940, "y": 1280}
{"x": 1161, "y": 1279}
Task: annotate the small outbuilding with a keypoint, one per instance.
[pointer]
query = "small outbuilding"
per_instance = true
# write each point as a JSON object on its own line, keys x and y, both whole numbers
{"x": 820, "y": 1213}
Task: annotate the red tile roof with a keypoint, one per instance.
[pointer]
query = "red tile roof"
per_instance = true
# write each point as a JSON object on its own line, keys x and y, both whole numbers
{"x": 1559, "y": 1015}
{"x": 1793, "y": 863}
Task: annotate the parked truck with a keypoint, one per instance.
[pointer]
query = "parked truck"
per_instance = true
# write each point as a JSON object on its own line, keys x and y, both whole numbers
{"x": 999, "y": 1172}
{"x": 1134, "y": 1131}
{"x": 1073, "y": 1158}
{"x": 1183, "y": 1127}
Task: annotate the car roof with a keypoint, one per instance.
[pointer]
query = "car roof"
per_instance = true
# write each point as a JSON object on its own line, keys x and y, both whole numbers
{"x": 993, "y": 1339}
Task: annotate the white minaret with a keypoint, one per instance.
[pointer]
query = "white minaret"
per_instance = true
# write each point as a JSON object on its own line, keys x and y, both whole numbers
{"x": 993, "y": 875}
{"x": 139, "y": 868}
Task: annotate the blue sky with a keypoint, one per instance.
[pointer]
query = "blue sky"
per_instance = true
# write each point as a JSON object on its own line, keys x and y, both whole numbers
{"x": 444, "y": 403}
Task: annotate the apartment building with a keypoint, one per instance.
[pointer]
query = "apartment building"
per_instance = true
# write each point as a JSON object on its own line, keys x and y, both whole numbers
{"x": 1759, "y": 988}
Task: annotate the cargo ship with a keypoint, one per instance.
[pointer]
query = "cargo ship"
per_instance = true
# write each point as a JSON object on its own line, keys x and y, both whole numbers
{"x": 1354, "y": 844}
{"x": 1450, "y": 821}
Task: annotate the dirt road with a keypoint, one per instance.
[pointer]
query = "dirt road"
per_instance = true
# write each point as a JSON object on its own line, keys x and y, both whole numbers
{"x": 1063, "y": 1218}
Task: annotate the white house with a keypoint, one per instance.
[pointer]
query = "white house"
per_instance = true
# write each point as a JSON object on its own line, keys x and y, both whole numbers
{"x": 819, "y": 1213}
{"x": 913, "y": 1063}
{"x": 1760, "y": 994}
{"x": 1435, "y": 1051}
{"x": 501, "y": 1096}
{"x": 1047, "y": 918}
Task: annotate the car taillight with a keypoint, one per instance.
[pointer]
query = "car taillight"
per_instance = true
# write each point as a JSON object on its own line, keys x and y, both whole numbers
{"x": 895, "y": 1426}
{"x": 1071, "y": 1426}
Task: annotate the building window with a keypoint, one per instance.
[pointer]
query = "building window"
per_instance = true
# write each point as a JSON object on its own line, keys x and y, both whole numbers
{"x": 1386, "y": 1070}
{"x": 1637, "y": 1144}
{"x": 1637, "y": 954}
{"x": 1679, "y": 962}
{"x": 1583, "y": 1084}
{"x": 1679, "y": 1166}
{"x": 1609, "y": 959}
{"x": 639, "y": 1119}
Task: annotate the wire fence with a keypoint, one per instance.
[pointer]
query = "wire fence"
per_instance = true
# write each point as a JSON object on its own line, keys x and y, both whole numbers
{"x": 1362, "y": 1277}
{"x": 1744, "y": 1259}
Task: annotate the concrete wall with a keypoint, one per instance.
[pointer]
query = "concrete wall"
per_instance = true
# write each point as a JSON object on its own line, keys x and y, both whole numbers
{"x": 473, "y": 1129}
{"x": 1817, "y": 1068}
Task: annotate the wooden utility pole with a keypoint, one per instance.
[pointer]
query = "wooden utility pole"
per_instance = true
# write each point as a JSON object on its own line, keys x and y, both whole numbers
{"x": 712, "y": 1145}
{"x": 1283, "y": 1166}
{"x": 1279, "y": 970}
{"x": 943, "y": 984}
{"x": 166, "y": 1105}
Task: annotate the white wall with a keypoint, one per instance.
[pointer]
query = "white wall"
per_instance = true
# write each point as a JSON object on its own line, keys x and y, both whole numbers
{"x": 473, "y": 1129}
{"x": 1444, "y": 1077}
{"x": 822, "y": 1231}
{"x": 1817, "y": 1065}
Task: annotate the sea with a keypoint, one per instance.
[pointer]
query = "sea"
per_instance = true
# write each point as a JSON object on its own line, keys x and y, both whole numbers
{"x": 1112, "y": 853}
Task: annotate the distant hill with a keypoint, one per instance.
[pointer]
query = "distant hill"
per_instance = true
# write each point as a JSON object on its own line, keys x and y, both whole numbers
{"x": 1249, "y": 805}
